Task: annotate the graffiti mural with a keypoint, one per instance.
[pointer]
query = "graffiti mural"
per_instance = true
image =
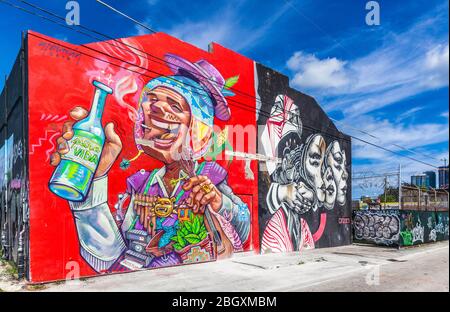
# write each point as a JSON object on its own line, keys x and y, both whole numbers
{"x": 135, "y": 174}
{"x": 399, "y": 227}
{"x": 306, "y": 174}
{"x": 150, "y": 152}
{"x": 179, "y": 213}
{"x": 377, "y": 227}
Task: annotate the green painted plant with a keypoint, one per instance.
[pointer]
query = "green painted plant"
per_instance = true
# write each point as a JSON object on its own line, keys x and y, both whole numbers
{"x": 190, "y": 232}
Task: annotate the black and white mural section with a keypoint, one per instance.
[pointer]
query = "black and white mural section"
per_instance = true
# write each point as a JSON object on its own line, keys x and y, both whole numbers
{"x": 304, "y": 197}
{"x": 379, "y": 227}
{"x": 393, "y": 227}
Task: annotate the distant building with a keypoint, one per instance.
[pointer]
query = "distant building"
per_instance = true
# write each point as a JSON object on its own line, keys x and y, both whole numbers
{"x": 431, "y": 178}
{"x": 443, "y": 177}
{"x": 420, "y": 180}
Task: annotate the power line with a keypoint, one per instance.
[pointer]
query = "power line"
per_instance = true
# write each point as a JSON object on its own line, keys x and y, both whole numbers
{"x": 378, "y": 138}
{"x": 267, "y": 114}
{"x": 164, "y": 62}
{"x": 236, "y": 103}
{"x": 311, "y": 128}
{"x": 298, "y": 11}
{"x": 124, "y": 15}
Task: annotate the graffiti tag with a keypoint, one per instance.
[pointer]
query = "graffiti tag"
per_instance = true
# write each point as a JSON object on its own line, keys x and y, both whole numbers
{"x": 380, "y": 228}
{"x": 58, "y": 51}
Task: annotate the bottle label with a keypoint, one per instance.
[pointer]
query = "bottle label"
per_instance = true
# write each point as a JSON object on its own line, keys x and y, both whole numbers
{"x": 85, "y": 149}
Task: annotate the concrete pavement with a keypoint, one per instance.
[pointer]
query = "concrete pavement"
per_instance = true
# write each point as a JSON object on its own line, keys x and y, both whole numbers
{"x": 347, "y": 268}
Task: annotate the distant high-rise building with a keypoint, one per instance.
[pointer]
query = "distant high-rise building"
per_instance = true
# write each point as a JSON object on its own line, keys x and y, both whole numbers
{"x": 420, "y": 180}
{"x": 431, "y": 177}
{"x": 443, "y": 177}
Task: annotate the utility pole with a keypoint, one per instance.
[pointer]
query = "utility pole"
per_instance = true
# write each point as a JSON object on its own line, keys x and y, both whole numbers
{"x": 399, "y": 186}
{"x": 385, "y": 186}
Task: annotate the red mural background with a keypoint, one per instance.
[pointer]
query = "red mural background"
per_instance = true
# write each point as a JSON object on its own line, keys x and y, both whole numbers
{"x": 60, "y": 77}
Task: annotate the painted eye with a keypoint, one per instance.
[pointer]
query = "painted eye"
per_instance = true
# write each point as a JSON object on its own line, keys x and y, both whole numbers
{"x": 177, "y": 108}
{"x": 151, "y": 97}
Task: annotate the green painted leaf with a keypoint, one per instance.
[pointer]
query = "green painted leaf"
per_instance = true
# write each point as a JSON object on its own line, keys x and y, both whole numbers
{"x": 196, "y": 226}
{"x": 181, "y": 240}
{"x": 192, "y": 239}
{"x": 177, "y": 246}
{"x": 188, "y": 226}
{"x": 174, "y": 238}
{"x": 230, "y": 82}
{"x": 203, "y": 235}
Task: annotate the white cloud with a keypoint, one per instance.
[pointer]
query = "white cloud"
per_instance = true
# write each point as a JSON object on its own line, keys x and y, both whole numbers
{"x": 405, "y": 65}
{"x": 418, "y": 139}
{"x": 226, "y": 26}
{"x": 409, "y": 113}
{"x": 202, "y": 33}
{"x": 395, "y": 134}
{"x": 437, "y": 62}
{"x": 314, "y": 73}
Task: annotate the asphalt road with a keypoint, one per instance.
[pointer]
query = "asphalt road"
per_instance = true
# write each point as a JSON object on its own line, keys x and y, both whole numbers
{"x": 347, "y": 268}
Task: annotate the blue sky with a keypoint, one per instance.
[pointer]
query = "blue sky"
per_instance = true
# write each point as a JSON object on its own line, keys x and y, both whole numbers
{"x": 390, "y": 80}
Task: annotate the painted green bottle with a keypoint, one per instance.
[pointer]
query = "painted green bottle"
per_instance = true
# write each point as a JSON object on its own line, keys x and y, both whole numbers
{"x": 72, "y": 178}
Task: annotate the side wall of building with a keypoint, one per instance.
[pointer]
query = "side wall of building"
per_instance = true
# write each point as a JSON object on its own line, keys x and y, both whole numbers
{"x": 13, "y": 166}
{"x": 305, "y": 186}
{"x": 101, "y": 201}
{"x": 167, "y": 97}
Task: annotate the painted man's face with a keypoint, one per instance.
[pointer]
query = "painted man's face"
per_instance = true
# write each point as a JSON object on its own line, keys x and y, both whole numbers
{"x": 166, "y": 124}
{"x": 284, "y": 119}
{"x": 313, "y": 165}
{"x": 336, "y": 159}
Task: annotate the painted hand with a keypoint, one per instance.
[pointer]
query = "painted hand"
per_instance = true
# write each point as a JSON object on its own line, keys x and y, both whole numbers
{"x": 111, "y": 149}
{"x": 297, "y": 196}
{"x": 203, "y": 193}
{"x": 143, "y": 205}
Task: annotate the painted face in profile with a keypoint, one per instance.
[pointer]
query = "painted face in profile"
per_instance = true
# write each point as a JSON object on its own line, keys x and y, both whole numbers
{"x": 166, "y": 120}
{"x": 314, "y": 158}
{"x": 330, "y": 188}
{"x": 337, "y": 161}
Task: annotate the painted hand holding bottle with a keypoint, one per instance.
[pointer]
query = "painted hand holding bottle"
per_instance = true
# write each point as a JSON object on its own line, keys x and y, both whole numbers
{"x": 73, "y": 176}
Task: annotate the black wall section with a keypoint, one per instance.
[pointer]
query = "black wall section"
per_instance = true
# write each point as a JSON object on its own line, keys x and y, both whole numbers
{"x": 271, "y": 87}
{"x": 14, "y": 168}
{"x": 393, "y": 227}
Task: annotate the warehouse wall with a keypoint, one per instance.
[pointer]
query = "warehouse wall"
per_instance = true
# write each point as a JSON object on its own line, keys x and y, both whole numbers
{"x": 13, "y": 167}
{"x": 163, "y": 100}
{"x": 305, "y": 194}
{"x": 112, "y": 229}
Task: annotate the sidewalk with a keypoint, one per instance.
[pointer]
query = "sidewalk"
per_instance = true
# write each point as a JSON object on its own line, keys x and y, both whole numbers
{"x": 347, "y": 268}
